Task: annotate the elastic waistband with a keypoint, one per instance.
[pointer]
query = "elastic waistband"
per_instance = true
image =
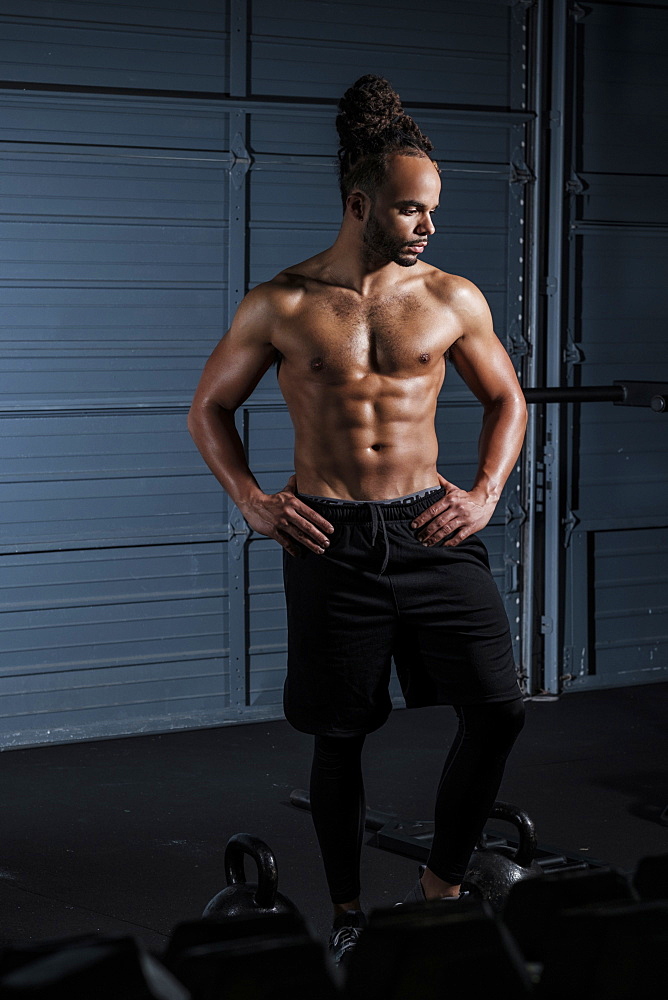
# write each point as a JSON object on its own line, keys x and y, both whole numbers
{"x": 360, "y": 511}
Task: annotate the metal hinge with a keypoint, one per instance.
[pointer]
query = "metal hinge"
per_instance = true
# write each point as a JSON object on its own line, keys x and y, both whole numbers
{"x": 550, "y": 285}
{"x": 546, "y": 625}
{"x": 512, "y": 576}
{"x": 239, "y": 533}
{"x": 578, "y": 12}
{"x": 570, "y": 523}
{"x": 242, "y": 160}
{"x": 516, "y": 342}
{"x": 554, "y": 119}
{"x": 573, "y": 353}
{"x": 515, "y": 512}
{"x": 520, "y": 174}
{"x": 575, "y": 185}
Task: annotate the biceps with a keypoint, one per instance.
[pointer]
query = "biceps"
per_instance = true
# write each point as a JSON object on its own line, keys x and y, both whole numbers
{"x": 485, "y": 367}
{"x": 232, "y": 372}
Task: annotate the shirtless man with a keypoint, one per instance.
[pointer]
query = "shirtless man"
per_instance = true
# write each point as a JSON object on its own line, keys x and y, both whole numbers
{"x": 381, "y": 554}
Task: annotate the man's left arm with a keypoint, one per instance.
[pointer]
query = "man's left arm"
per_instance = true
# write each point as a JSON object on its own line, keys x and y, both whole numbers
{"x": 485, "y": 367}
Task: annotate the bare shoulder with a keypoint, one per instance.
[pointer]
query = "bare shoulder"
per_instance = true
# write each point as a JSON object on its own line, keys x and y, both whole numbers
{"x": 466, "y": 304}
{"x": 263, "y": 305}
{"x": 459, "y": 293}
{"x": 270, "y": 296}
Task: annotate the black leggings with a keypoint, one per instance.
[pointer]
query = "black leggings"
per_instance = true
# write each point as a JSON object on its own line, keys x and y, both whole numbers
{"x": 466, "y": 793}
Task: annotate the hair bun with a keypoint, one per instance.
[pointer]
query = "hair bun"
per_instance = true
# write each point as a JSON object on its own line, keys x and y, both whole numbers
{"x": 372, "y": 125}
{"x": 371, "y": 119}
{"x": 366, "y": 110}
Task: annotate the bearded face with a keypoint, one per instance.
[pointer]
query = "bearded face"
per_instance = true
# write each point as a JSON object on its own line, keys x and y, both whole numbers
{"x": 381, "y": 243}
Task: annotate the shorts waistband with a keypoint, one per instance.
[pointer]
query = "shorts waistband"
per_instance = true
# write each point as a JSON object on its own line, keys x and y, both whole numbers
{"x": 361, "y": 511}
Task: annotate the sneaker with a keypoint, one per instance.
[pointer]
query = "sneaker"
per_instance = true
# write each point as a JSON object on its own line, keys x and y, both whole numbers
{"x": 416, "y": 895}
{"x": 346, "y": 930}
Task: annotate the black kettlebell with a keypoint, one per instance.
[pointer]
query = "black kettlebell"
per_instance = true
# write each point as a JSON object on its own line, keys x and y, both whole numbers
{"x": 248, "y": 899}
{"x": 493, "y": 871}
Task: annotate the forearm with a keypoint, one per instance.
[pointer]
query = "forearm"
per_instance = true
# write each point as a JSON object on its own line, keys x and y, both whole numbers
{"x": 213, "y": 430}
{"x": 503, "y": 428}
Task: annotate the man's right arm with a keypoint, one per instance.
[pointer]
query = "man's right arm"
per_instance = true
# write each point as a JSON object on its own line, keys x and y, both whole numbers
{"x": 232, "y": 372}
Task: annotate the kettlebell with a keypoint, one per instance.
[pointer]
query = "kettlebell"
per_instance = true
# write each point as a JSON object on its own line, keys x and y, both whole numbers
{"x": 248, "y": 899}
{"x": 493, "y": 871}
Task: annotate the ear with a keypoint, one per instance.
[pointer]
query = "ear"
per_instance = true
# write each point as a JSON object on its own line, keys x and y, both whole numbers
{"x": 357, "y": 203}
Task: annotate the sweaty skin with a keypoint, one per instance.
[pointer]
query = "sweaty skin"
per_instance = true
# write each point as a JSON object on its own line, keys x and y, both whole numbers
{"x": 362, "y": 331}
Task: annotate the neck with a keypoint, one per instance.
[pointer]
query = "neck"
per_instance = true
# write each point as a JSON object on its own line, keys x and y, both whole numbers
{"x": 349, "y": 264}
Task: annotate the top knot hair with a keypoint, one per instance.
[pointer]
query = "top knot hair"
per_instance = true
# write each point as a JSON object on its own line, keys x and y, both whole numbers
{"x": 372, "y": 125}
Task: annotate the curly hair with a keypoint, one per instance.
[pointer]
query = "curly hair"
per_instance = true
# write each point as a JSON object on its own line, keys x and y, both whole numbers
{"x": 373, "y": 125}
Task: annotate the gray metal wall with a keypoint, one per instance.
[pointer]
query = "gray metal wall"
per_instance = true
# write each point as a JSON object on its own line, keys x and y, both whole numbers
{"x": 158, "y": 161}
{"x": 607, "y": 515}
{"x": 114, "y": 248}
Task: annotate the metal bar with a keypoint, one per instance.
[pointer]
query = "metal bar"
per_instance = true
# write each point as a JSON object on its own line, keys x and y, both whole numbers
{"x": 236, "y": 551}
{"x": 552, "y": 623}
{"x": 534, "y": 53}
{"x": 238, "y": 48}
{"x": 575, "y": 394}
{"x": 412, "y": 838}
{"x": 521, "y": 180}
{"x": 623, "y": 393}
{"x": 237, "y": 569}
{"x": 250, "y": 103}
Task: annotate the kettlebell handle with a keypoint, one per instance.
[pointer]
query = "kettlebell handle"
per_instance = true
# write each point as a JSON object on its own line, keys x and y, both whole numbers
{"x": 526, "y": 849}
{"x": 267, "y": 871}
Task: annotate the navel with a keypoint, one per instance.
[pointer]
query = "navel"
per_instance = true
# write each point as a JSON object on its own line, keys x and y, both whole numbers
{"x": 376, "y": 447}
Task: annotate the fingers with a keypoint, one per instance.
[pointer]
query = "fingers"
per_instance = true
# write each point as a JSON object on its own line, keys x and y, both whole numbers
{"x": 289, "y": 544}
{"x": 295, "y": 508}
{"x": 440, "y": 507}
{"x": 307, "y": 533}
{"x": 320, "y": 522}
{"x": 437, "y": 531}
{"x": 292, "y": 524}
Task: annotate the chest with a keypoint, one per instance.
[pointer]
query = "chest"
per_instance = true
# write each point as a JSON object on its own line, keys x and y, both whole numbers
{"x": 342, "y": 339}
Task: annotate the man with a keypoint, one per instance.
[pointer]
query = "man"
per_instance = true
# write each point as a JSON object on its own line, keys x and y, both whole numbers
{"x": 381, "y": 554}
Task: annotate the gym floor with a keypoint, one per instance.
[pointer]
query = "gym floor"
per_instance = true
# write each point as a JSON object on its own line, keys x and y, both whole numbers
{"x": 127, "y": 835}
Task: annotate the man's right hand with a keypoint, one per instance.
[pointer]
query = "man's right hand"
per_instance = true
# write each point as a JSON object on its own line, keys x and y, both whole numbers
{"x": 286, "y": 518}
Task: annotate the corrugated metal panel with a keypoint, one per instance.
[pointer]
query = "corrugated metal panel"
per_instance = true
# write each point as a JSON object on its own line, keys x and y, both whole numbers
{"x": 623, "y": 463}
{"x": 102, "y": 480}
{"x": 166, "y": 46}
{"x": 92, "y": 640}
{"x": 113, "y": 292}
{"x": 450, "y": 52}
{"x": 631, "y": 606}
{"x": 618, "y": 593}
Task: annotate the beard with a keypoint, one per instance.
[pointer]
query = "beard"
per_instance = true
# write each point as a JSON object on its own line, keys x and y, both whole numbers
{"x": 379, "y": 243}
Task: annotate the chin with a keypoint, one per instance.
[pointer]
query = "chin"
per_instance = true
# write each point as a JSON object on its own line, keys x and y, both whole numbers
{"x": 405, "y": 261}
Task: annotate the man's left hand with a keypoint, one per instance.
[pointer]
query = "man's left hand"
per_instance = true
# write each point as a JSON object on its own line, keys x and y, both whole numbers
{"x": 458, "y": 511}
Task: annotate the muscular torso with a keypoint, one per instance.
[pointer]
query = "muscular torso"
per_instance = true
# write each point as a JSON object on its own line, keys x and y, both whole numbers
{"x": 361, "y": 376}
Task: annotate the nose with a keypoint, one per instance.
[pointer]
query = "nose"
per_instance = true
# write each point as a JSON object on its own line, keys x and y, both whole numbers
{"x": 426, "y": 226}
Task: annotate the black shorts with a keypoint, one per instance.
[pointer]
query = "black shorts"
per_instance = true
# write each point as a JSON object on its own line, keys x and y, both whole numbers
{"x": 378, "y": 593}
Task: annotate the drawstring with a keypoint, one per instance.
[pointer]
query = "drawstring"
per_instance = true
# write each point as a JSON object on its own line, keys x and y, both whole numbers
{"x": 377, "y": 516}
{"x": 376, "y": 508}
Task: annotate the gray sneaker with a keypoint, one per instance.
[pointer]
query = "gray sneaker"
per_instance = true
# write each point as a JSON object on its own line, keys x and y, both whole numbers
{"x": 416, "y": 895}
{"x": 345, "y": 934}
